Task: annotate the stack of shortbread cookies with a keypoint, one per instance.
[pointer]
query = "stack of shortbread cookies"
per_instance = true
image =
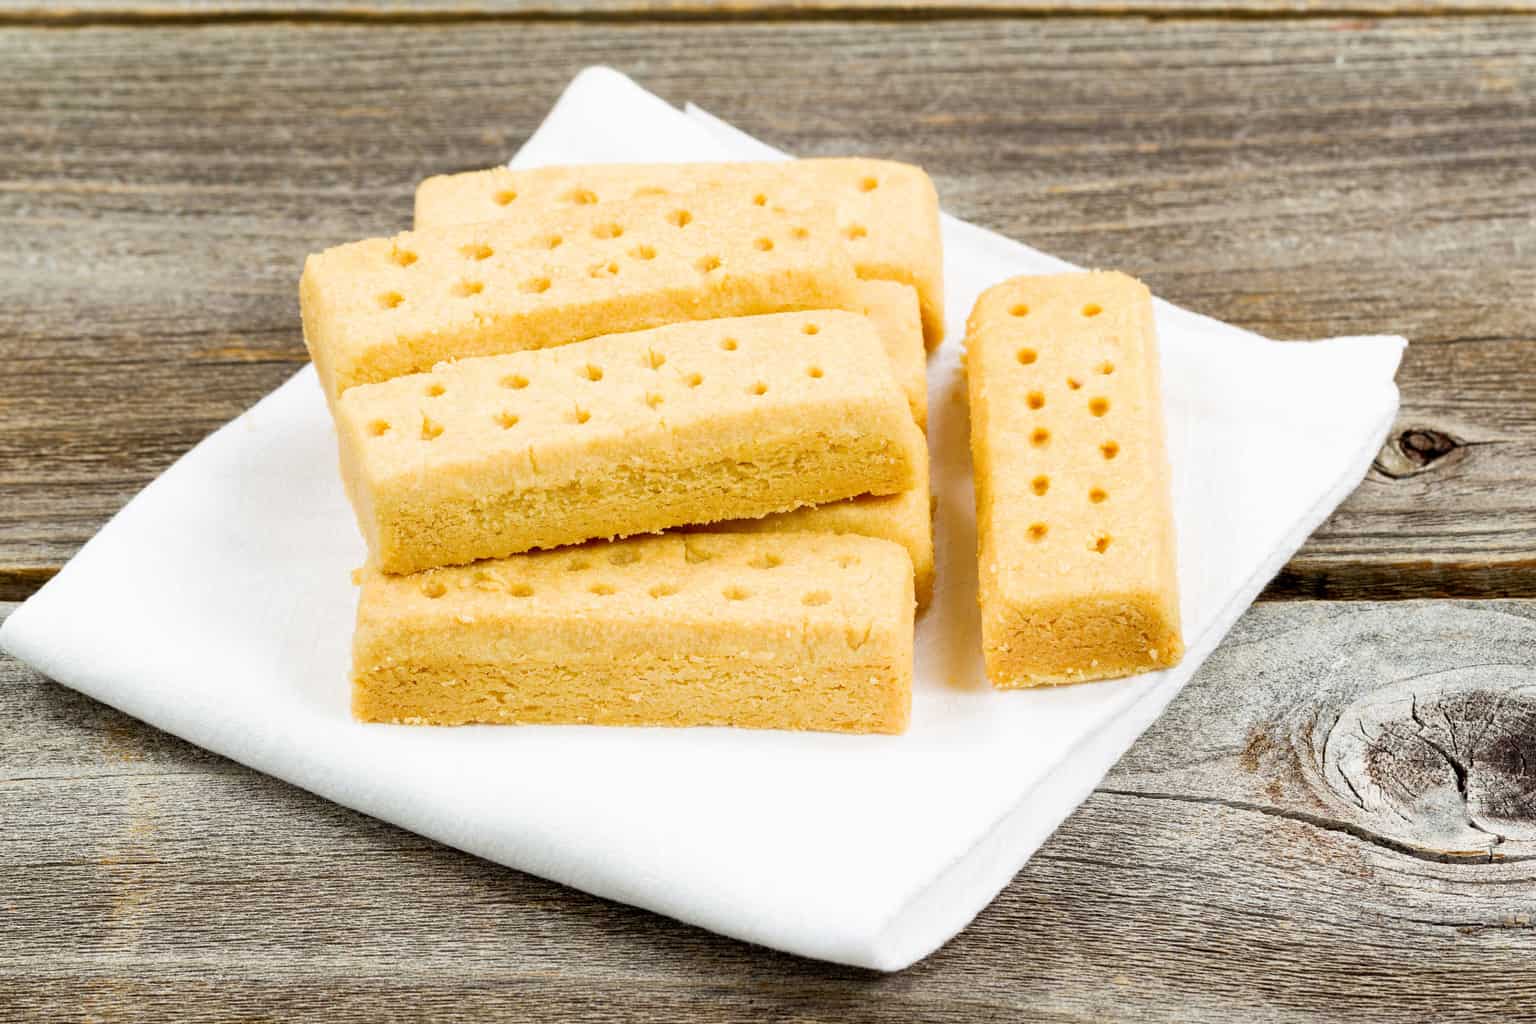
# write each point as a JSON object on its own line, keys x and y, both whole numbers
{"x": 730, "y": 356}
{"x": 643, "y": 445}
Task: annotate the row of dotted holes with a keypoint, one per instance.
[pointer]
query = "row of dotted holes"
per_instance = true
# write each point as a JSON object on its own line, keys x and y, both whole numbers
{"x": 1101, "y": 541}
{"x": 477, "y": 252}
{"x": 586, "y": 197}
{"x": 1092, "y": 309}
{"x": 652, "y": 360}
{"x": 629, "y": 557}
{"x": 1042, "y": 484}
{"x": 466, "y": 289}
{"x": 856, "y": 232}
{"x": 853, "y": 232}
{"x": 1037, "y": 531}
{"x": 436, "y": 589}
{"x": 1041, "y": 436}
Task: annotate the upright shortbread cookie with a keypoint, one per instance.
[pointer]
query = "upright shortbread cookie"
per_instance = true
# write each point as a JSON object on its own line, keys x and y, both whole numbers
{"x": 887, "y": 213}
{"x": 386, "y": 307}
{"x": 791, "y": 631}
{"x": 893, "y": 310}
{"x": 689, "y": 423}
{"x": 1075, "y": 521}
{"x": 905, "y": 519}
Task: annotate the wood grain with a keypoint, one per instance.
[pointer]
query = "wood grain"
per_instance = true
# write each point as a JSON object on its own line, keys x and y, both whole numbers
{"x": 1221, "y": 872}
{"x": 149, "y": 12}
{"x": 1303, "y": 179}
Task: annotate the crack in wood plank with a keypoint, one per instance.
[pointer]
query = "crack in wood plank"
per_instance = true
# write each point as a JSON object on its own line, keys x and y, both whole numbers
{"x": 1330, "y": 825}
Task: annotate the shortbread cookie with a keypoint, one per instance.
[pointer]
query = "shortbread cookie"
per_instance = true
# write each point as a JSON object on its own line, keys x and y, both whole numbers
{"x": 1074, "y": 518}
{"x": 887, "y": 213}
{"x": 689, "y": 423}
{"x": 386, "y": 307}
{"x": 790, "y": 631}
{"x": 905, "y": 518}
{"x": 893, "y": 309}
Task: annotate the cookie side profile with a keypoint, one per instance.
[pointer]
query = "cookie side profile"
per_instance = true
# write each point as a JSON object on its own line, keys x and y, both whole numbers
{"x": 690, "y": 423}
{"x": 787, "y": 631}
{"x": 893, "y": 309}
{"x": 905, "y": 518}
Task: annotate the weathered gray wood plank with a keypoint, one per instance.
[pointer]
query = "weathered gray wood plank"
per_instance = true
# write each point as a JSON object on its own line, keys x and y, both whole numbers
{"x": 78, "y": 12}
{"x": 160, "y": 187}
{"x": 1220, "y": 873}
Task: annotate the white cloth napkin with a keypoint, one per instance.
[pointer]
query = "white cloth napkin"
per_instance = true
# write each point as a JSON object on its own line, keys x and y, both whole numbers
{"x": 217, "y": 606}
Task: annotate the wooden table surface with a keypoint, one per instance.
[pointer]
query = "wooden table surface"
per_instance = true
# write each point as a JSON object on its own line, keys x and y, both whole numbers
{"x": 1337, "y": 819}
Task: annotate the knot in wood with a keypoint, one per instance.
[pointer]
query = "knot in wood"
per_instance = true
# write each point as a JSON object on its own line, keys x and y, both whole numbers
{"x": 1412, "y": 451}
{"x": 1444, "y": 761}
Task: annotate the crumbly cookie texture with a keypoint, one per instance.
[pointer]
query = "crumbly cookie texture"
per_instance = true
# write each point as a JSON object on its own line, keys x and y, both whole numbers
{"x": 386, "y": 307}
{"x": 905, "y": 519}
{"x": 785, "y": 631}
{"x": 887, "y": 213}
{"x": 690, "y": 423}
{"x": 1078, "y": 578}
{"x": 893, "y": 309}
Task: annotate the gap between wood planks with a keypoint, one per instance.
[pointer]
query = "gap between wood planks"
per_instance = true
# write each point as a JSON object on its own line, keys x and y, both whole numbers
{"x": 1299, "y": 581}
